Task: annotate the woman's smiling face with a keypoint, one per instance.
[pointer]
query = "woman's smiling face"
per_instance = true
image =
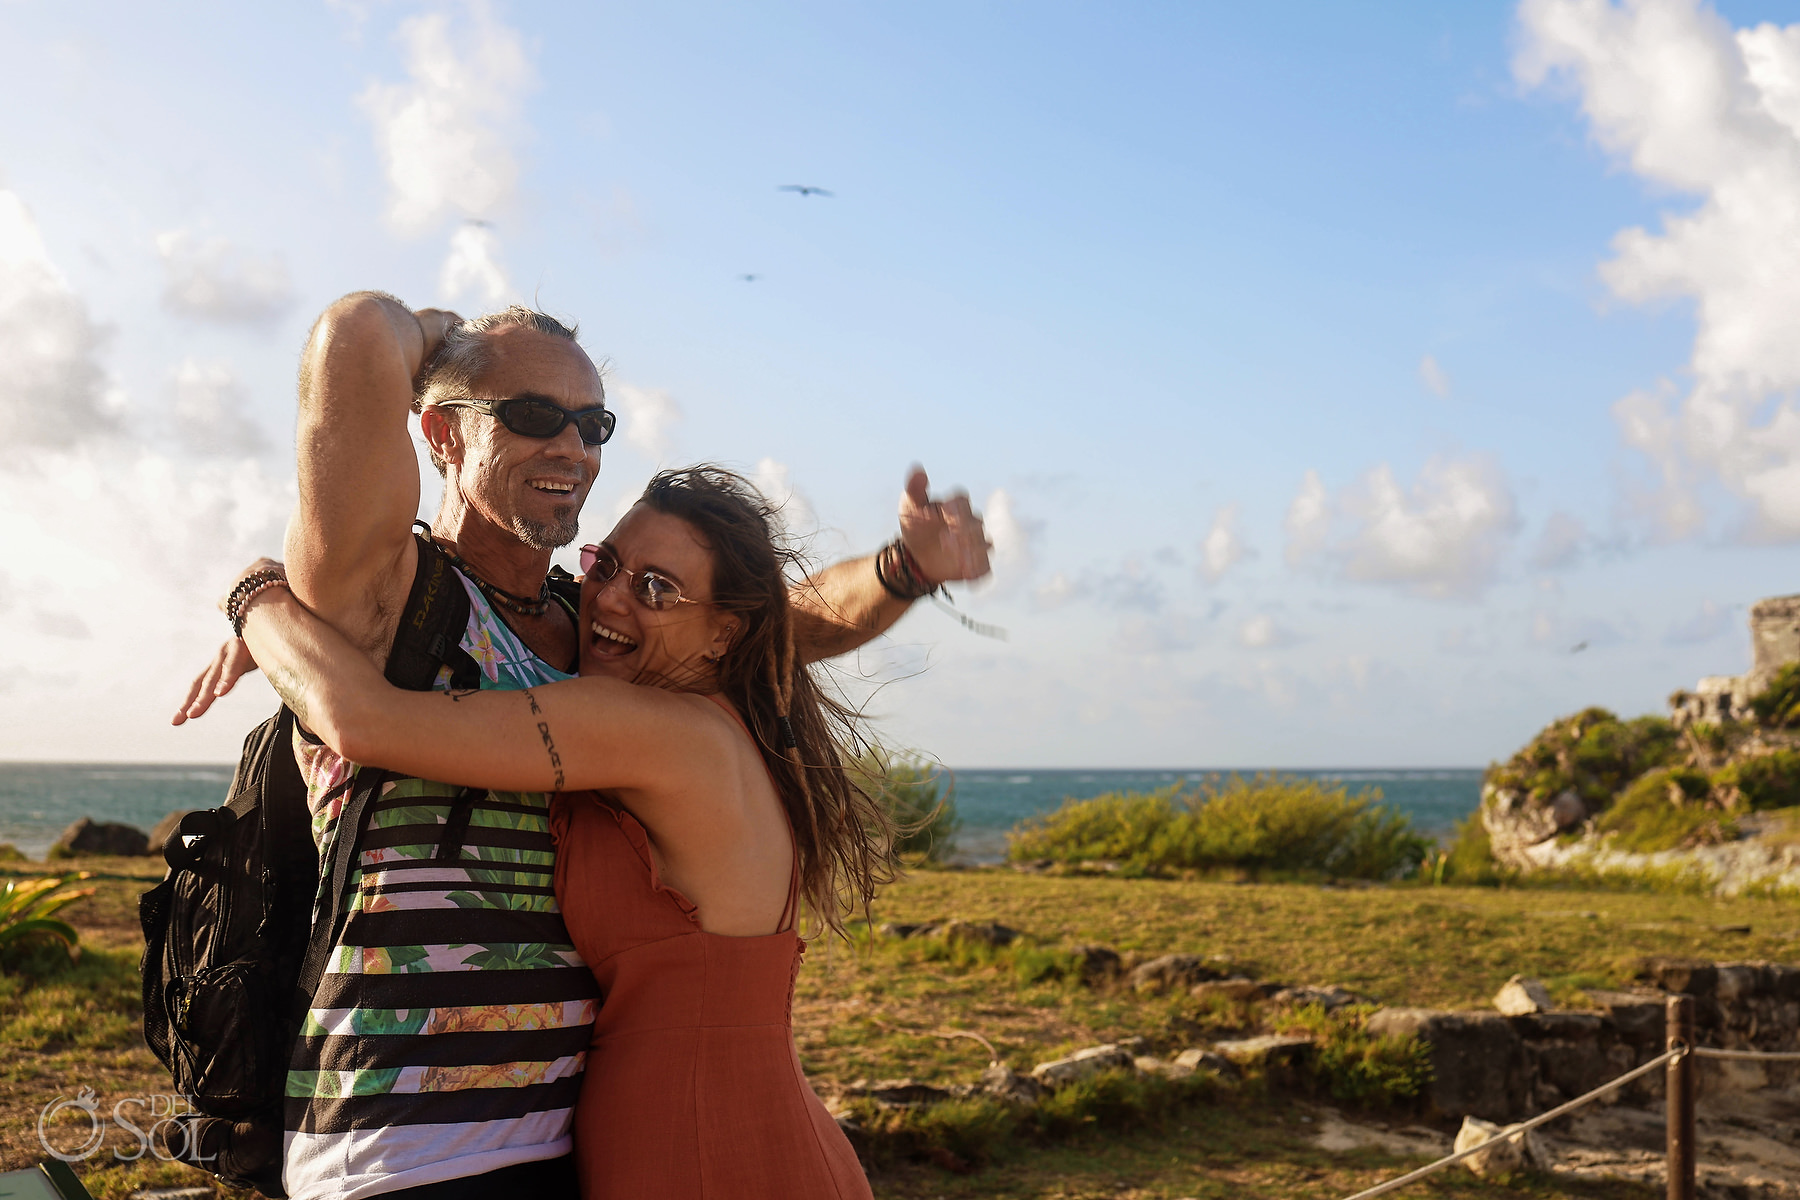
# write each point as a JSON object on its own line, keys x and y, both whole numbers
{"x": 623, "y": 637}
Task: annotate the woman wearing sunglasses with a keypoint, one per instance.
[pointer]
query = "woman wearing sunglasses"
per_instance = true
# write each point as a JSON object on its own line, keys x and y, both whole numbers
{"x": 703, "y": 802}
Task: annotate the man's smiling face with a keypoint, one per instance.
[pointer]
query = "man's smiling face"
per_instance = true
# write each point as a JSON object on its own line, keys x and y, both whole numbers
{"x": 532, "y": 487}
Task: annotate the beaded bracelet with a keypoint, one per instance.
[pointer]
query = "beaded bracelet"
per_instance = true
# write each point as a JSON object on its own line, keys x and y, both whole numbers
{"x": 898, "y": 573}
{"x": 247, "y": 589}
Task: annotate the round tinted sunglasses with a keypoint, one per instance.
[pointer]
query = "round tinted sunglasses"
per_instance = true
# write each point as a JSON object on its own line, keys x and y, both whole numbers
{"x": 532, "y": 417}
{"x": 654, "y": 590}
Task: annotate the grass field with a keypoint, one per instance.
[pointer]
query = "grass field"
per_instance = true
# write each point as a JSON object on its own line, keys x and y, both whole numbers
{"x": 891, "y": 1008}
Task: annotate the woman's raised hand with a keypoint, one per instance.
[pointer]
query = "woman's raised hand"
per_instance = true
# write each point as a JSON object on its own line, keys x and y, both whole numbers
{"x": 230, "y": 663}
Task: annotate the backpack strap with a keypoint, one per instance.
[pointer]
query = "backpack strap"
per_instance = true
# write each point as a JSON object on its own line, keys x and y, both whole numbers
{"x": 329, "y": 924}
{"x": 429, "y": 636}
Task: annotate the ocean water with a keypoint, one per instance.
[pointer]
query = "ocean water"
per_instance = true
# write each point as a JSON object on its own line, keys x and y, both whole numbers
{"x": 990, "y": 802}
{"x": 38, "y": 801}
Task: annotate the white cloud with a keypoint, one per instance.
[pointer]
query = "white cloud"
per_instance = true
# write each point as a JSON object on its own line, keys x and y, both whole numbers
{"x": 1441, "y": 539}
{"x": 1011, "y": 535}
{"x": 1691, "y": 104}
{"x": 53, "y": 390}
{"x": 472, "y": 269}
{"x": 647, "y": 418}
{"x": 772, "y": 480}
{"x": 1308, "y": 522}
{"x": 209, "y": 405}
{"x": 1435, "y": 379}
{"x": 446, "y": 139}
{"x": 1262, "y": 632}
{"x": 445, "y": 134}
{"x": 1223, "y": 547}
{"x": 91, "y": 524}
{"x": 215, "y": 280}
{"x": 1561, "y": 543}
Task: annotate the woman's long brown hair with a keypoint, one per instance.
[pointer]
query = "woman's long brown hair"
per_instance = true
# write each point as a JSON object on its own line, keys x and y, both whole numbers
{"x": 843, "y": 837}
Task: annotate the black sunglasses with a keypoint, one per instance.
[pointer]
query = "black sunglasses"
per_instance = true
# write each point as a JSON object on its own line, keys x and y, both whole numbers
{"x": 530, "y": 416}
{"x": 654, "y": 590}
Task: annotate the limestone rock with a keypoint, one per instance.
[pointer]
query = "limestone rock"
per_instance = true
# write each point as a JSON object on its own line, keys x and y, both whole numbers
{"x": 1515, "y": 822}
{"x": 88, "y": 836}
{"x": 1082, "y": 1064}
{"x": 1269, "y": 1049}
{"x": 1519, "y": 997}
{"x": 1099, "y": 963}
{"x": 1501, "y": 1153}
{"x": 1478, "y": 1059}
{"x": 1007, "y": 1084}
{"x": 1328, "y": 998}
{"x": 1200, "y": 1059}
{"x": 1171, "y": 971}
{"x": 159, "y": 833}
{"x": 986, "y": 933}
{"x": 898, "y": 1093}
{"x": 1237, "y": 990}
{"x": 1568, "y": 810}
{"x": 1149, "y": 1064}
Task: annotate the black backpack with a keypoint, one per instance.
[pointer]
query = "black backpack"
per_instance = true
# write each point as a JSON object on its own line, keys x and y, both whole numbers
{"x": 233, "y": 947}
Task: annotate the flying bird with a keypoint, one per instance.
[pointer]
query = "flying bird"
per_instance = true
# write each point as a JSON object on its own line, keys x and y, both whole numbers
{"x": 749, "y": 278}
{"x": 478, "y": 222}
{"x": 803, "y": 189}
{"x": 1578, "y": 647}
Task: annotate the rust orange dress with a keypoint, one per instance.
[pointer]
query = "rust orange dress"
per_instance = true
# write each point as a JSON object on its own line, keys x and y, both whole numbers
{"x": 693, "y": 1088}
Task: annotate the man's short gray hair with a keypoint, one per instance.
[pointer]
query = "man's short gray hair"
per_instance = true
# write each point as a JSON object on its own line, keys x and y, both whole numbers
{"x": 466, "y": 352}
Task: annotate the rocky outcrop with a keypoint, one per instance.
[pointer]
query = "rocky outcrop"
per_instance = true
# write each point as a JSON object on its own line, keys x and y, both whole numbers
{"x": 90, "y": 837}
{"x": 1084, "y": 1064}
{"x": 1753, "y": 861}
{"x": 1171, "y": 972}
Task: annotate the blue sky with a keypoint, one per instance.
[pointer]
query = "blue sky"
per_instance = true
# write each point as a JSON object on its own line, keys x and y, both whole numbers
{"x": 1293, "y": 353}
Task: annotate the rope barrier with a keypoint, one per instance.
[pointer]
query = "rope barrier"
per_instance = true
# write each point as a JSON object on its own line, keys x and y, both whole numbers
{"x": 1764, "y": 1055}
{"x": 1512, "y": 1131}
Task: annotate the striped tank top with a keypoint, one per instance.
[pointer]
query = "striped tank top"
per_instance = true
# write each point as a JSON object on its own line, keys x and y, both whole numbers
{"x": 448, "y": 1034}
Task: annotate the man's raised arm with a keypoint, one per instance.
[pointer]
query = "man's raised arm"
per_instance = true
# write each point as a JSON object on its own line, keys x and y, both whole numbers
{"x": 848, "y": 604}
{"x": 349, "y": 546}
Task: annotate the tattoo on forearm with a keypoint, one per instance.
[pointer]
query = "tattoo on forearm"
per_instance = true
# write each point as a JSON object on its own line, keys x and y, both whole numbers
{"x": 459, "y": 693}
{"x": 549, "y": 742}
{"x": 291, "y": 688}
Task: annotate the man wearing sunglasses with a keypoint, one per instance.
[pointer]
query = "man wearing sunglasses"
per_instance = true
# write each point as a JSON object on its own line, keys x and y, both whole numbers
{"x": 477, "y": 1099}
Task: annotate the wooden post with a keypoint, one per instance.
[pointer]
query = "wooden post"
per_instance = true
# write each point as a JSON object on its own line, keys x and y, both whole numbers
{"x": 1680, "y": 1098}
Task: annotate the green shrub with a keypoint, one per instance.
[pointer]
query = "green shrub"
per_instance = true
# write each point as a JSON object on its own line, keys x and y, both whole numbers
{"x": 28, "y": 908}
{"x": 11, "y": 853}
{"x": 1592, "y": 753}
{"x": 1269, "y": 824}
{"x": 1766, "y": 781}
{"x": 1470, "y": 858}
{"x": 1116, "y": 1099}
{"x": 1355, "y": 1066}
{"x": 973, "y": 1128}
{"x": 1646, "y": 818}
{"x": 919, "y": 798}
{"x": 1778, "y": 705}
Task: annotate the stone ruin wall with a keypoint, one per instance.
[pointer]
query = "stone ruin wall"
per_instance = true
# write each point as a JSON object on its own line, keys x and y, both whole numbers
{"x": 1505, "y": 1068}
{"x": 1774, "y": 643}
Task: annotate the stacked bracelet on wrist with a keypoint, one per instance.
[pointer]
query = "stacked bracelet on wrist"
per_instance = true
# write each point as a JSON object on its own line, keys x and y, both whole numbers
{"x": 247, "y": 589}
{"x": 898, "y": 573}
